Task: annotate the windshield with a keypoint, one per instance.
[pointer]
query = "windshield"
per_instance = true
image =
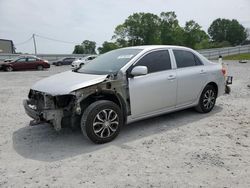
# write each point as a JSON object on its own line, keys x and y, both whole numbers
{"x": 110, "y": 62}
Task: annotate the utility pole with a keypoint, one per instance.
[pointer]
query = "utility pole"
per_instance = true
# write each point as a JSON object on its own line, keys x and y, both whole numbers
{"x": 34, "y": 40}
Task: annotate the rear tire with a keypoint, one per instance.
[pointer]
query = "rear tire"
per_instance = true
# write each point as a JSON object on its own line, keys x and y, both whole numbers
{"x": 40, "y": 67}
{"x": 9, "y": 69}
{"x": 207, "y": 99}
{"x": 101, "y": 121}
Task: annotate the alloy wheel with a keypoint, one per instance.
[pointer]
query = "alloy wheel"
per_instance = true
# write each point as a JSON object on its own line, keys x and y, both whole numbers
{"x": 105, "y": 123}
{"x": 209, "y": 99}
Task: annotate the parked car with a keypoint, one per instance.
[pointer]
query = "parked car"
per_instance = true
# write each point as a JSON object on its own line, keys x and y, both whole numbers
{"x": 64, "y": 61}
{"x": 126, "y": 85}
{"x": 4, "y": 62}
{"x": 82, "y": 61}
{"x": 8, "y": 60}
{"x": 25, "y": 63}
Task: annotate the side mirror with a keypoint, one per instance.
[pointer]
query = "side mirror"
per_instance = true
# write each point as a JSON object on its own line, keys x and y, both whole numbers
{"x": 139, "y": 71}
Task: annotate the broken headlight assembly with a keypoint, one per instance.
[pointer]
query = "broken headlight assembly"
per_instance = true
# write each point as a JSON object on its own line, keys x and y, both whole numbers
{"x": 62, "y": 101}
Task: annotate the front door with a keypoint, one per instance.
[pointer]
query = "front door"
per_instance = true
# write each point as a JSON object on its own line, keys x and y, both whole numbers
{"x": 156, "y": 90}
{"x": 20, "y": 64}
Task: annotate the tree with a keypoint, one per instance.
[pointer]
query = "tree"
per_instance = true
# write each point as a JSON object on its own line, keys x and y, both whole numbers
{"x": 227, "y": 30}
{"x": 171, "y": 32}
{"x": 193, "y": 34}
{"x": 139, "y": 29}
{"x": 78, "y": 49}
{"x": 107, "y": 46}
{"x": 89, "y": 47}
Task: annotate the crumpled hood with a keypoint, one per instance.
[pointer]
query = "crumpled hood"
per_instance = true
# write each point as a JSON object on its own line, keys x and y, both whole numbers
{"x": 66, "y": 82}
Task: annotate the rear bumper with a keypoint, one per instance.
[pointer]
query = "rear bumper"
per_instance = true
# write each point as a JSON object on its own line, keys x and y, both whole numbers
{"x": 229, "y": 80}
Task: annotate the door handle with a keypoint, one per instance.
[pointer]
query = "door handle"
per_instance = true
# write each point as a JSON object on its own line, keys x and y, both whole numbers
{"x": 171, "y": 77}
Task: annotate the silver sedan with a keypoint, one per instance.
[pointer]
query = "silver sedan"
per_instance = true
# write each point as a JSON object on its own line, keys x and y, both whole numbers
{"x": 126, "y": 85}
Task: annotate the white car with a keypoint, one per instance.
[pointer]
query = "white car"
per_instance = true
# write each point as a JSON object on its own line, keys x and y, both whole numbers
{"x": 82, "y": 61}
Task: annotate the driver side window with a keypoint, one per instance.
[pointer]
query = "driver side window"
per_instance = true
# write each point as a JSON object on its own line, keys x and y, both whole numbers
{"x": 21, "y": 60}
{"x": 156, "y": 61}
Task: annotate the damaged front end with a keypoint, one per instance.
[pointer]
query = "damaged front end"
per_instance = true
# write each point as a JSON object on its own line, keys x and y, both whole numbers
{"x": 67, "y": 109}
{"x": 47, "y": 108}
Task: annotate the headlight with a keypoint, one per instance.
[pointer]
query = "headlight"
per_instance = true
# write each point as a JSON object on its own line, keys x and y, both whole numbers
{"x": 63, "y": 100}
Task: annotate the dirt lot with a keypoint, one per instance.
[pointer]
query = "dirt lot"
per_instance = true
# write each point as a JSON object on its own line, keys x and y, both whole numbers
{"x": 182, "y": 149}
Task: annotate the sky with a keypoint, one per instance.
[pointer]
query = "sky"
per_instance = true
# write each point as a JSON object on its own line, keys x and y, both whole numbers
{"x": 74, "y": 21}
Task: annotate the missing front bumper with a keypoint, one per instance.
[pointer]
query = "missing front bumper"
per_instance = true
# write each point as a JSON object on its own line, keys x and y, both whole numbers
{"x": 52, "y": 116}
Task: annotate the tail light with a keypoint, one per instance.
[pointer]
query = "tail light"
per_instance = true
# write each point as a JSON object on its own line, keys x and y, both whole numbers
{"x": 224, "y": 70}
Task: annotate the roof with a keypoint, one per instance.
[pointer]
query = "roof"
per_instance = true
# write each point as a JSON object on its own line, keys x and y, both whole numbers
{"x": 151, "y": 47}
{"x": 6, "y": 40}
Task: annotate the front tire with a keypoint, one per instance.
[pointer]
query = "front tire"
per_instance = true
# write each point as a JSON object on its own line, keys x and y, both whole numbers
{"x": 101, "y": 121}
{"x": 39, "y": 67}
{"x": 207, "y": 99}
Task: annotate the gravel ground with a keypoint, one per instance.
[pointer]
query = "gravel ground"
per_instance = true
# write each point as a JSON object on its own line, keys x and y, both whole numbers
{"x": 182, "y": 149}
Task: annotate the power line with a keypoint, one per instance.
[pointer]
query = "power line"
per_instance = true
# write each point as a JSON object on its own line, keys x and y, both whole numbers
{"x": 26, "y": 41}
{"x": 55, "y": 40}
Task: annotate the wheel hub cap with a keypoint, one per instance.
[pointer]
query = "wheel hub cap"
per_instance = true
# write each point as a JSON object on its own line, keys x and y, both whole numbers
{"x": 105, "y": 123}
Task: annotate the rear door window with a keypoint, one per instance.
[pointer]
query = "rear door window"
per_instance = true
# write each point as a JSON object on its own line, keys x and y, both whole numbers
{"x": 32, "y": 59}
{"x": 186, "y": 59}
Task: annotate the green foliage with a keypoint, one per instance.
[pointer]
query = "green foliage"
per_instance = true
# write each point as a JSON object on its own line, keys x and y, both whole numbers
{"x": 171, "y": 32}
{"x": 148, "y": 29}
{"x": 193, "y": 34}
{"x": 107, "y": 46}
{"x": 87, "y": 47}
{"x": 139, "y": 29}
{"x": 78, "y": 49}
{"x": 227, "y": 30}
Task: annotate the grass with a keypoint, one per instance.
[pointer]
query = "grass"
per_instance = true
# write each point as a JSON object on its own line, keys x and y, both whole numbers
{"x": 238, "y": 57}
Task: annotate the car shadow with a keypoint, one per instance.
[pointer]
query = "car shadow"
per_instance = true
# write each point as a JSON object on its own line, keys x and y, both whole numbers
{"x": 43, "y": 143}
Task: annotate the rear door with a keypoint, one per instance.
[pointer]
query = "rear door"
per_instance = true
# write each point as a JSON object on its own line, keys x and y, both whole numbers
{"x": 32, "y": 63}
{"x": 191, "y": 77}
{"x": 155, "y": 91}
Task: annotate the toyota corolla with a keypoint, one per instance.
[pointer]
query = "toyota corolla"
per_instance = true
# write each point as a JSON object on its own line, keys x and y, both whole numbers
{"x": 126, "y": 85}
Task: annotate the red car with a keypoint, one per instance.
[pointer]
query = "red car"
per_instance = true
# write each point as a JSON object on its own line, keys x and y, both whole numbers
{"x": 25, "y": 63}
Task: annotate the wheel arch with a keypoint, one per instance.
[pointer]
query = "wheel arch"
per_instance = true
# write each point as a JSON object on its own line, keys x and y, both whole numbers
{"x": 106, "y": 95}
{"x": 214, "y": 85}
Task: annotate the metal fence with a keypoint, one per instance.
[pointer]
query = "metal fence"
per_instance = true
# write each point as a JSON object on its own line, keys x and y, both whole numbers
{"x": 213, "y": 53}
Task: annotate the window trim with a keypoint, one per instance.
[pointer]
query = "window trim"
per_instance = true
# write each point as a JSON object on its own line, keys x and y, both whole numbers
{"x": 17, "y": 61}
{"x": 129, "y": 69}
{"x": 202, "y": 64}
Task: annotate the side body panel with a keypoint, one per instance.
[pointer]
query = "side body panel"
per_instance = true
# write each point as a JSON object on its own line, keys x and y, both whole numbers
{"x": 190, "y": 81}
{"x": 152, "y": 92}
